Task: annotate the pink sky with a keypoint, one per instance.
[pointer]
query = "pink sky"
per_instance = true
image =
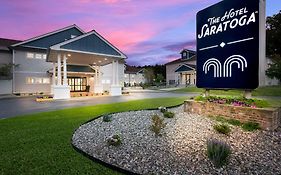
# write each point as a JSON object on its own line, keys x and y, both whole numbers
{"x": 148, "y": 31}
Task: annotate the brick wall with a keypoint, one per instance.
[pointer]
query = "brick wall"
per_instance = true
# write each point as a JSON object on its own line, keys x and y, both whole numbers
{"x": 268, "y": 118}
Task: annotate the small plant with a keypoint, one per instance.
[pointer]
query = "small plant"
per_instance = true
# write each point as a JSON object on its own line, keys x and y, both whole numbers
{"x": 222, "y": 128}
{"x": 162, "y": 109}
{"x": 168, "y": 114}
{"x": 250, "y": 126}
{"x": 107, "y": 118}
{"x": 115, "y": 140}
{"x": 220, "y": 119}
{"x": 234, "y": 122}
{"x": 218, "y": 152}
{"x": 157, "y": 124}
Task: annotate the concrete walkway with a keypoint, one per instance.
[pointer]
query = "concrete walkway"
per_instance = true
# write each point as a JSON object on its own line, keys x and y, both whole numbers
{"x": 20, "y": 106}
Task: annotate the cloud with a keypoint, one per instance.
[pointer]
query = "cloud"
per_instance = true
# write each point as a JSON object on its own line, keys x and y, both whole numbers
{"x": 183, "y": 45}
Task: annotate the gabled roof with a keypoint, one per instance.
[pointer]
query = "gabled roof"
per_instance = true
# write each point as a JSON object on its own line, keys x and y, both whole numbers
{"x": 184, "y": 68}
{"x": 132, "y": 69}
{"x": 187, "y": 50}
{"x": 91, "y": 42}
{"x": 46, "y": 40}
{"x": 180, "y": 60}
{"x": 6, "y": 43}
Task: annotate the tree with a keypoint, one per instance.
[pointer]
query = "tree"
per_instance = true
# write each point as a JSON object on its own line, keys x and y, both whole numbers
{"x": 273, "y": 45}
{"x": 149, "y": 75}
{"x": 6, "y": 70}
{"x": 274, "y": 71}
{"x": 273, "y": 32}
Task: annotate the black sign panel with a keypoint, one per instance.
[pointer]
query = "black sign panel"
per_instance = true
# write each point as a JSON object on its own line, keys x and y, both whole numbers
{"x": 228, "y": 45}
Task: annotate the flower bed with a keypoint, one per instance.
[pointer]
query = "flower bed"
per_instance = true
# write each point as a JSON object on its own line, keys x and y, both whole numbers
{"x": 267, "y": 118}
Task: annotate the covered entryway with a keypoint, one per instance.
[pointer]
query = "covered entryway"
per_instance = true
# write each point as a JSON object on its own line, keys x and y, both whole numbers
{"x": 186, "y": 75}
{"x": 89, "y": 49}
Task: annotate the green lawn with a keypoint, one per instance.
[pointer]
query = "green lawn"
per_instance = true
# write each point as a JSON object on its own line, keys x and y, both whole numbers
{"x": 262, "y": 91}
{"x": 41, "y": 143}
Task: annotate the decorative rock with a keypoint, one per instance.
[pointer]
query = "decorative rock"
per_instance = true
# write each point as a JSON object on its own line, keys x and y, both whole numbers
{"x": 181, "y": 149}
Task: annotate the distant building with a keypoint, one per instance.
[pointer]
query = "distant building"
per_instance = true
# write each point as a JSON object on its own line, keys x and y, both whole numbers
{"x": 182, "y": 71}
{"x": 134, "y": 76}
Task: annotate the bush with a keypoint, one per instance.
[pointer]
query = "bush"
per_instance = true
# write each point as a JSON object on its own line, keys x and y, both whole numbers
{"x": 169, "y": 114}
{"x": 162, "y": 109}
{"x": 250, "y": 126}
{"x": 218, "y": 152}
{"x": 234, "y": 122}
{"x": 107, "y": 118}
{"x": 157, "y": 124}
{"x": 222, "y": 128}
{"x": 114, "y": 140}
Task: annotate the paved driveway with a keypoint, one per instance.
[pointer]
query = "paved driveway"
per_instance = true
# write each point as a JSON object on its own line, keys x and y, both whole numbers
{"x": 20, "y": 106}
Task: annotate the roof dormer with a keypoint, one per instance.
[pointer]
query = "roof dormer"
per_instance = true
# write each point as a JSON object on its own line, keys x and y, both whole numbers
{"x": 186, "y": 54}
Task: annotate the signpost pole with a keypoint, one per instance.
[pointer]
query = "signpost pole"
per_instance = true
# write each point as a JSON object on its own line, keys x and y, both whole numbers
{"x": 248, "y": 94}
{"x": 206, "y": 93}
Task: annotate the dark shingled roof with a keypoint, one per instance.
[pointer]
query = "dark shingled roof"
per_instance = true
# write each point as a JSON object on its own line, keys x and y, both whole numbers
{"x": 132, "y": 69}
{"x": 180, "y": 60}
{"x": 6, "y": 43}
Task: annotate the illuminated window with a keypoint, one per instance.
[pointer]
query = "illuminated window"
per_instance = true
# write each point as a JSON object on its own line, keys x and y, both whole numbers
{"x": 29, "y": 55}
{"x": 44, "y": 56}
{"x": 36, "y": 80}
{"x": 38, "y": 56}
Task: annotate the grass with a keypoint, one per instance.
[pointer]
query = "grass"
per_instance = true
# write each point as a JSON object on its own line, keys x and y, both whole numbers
{"x": 222, "y": 128}
{"x": 168, "y": 114}
{"x": 250, "y": 126}
{"x": 218, "y": 152}
{"x": 41, "y": 143}
{"x": 262, "y": 91}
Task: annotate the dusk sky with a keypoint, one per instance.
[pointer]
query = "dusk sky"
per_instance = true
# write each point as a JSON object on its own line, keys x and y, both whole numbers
{"x": 147, "y": 31}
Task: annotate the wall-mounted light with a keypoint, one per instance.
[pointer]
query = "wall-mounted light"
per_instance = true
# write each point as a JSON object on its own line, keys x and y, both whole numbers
{"x": 105, "y": 59}
{"x": 99, "y": 61}
{"x": 69, "y": 55}
{"x": 94, "y": 63}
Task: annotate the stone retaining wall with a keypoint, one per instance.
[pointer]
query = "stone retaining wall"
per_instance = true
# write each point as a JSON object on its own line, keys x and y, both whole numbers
{"x": 268, "y": 118}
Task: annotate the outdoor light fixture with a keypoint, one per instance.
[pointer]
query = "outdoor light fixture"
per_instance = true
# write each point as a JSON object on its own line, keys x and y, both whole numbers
{"x": 99, "y": 61}
{"x": 69, "y": 55}
{"x": 105, "y": 59}
{"x": 95, "y": 63}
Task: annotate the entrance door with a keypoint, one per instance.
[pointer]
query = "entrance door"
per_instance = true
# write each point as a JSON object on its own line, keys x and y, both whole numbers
{"x": 77, "y": 84}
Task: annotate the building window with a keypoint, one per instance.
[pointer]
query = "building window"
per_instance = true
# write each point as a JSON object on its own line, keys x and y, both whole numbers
{"x": 36, "y": 56}
{"x": 30, "y": 55}
{"x": 37, "y": 80}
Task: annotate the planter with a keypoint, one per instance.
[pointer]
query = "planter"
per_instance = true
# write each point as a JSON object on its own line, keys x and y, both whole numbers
{"x": 268, "y": 118}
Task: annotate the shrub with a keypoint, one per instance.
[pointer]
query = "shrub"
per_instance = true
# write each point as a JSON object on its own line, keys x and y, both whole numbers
{"x": 107, "y": 118}
{"x": 115, "y": 140}
{"x": 218, "y": 152}
{"x": 250, "y": 126}
{"x": 234, "y": 122}
{"x": 162, "y": 109}
{"x": 220, "y": 119}
{"x": 157, "y": 124}
{"x": 169, "y": 114}
{"x": 222, "y": 128}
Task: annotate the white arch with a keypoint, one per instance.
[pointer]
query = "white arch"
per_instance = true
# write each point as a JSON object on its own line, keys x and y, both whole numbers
{"x": 240, "y": 60}
{"x": 230, "y": 67}
{"x": 216, "y": 64}
{"x": 215, "y": 69}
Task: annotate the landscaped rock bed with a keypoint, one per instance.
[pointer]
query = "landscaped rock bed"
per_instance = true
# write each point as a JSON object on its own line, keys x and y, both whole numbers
{"x": 181, "y": 148}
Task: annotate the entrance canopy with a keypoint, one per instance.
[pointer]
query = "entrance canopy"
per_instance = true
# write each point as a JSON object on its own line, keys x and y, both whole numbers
{"x": 185, "y": 68}
{"x": 90, "y": 48}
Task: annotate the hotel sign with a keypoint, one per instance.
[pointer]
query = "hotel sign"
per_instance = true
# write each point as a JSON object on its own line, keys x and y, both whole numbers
{"x": 228, "y": 45}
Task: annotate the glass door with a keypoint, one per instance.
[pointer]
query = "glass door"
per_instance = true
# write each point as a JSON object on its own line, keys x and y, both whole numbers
{"x": 77, "y": 84}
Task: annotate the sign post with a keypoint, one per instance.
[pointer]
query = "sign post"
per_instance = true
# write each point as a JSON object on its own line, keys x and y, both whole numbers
{"x": 228, "y": 45}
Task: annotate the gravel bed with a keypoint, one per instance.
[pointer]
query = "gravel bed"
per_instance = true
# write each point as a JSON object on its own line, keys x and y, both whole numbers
{"x": 182, "y": 147}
